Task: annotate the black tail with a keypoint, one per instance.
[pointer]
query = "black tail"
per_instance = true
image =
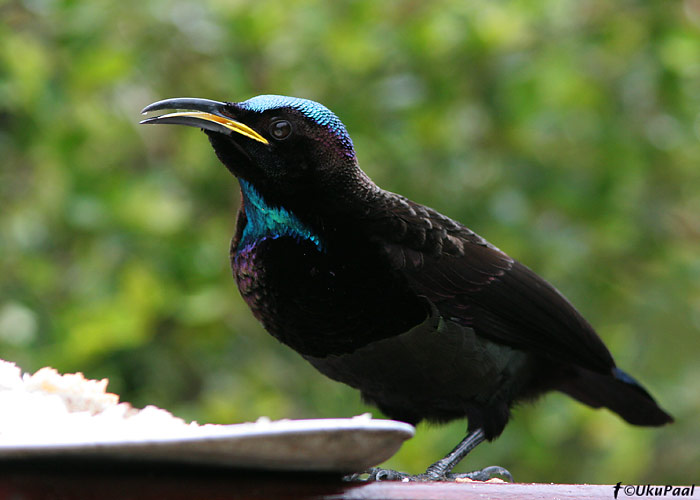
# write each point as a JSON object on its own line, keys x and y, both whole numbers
{"x": 619, "y": 392}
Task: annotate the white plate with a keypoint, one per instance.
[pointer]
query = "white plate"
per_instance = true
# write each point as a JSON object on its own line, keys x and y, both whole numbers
{"x": 339, "y": 445}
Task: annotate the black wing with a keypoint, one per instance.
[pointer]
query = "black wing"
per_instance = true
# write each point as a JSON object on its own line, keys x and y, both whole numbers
{"x": 474, "y": 283}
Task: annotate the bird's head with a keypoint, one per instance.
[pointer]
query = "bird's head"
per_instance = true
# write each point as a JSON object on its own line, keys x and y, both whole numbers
{"x": 290, "y": 150}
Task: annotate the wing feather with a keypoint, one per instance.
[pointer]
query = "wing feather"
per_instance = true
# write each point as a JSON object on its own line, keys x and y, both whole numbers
{"x": 476, "y": 284}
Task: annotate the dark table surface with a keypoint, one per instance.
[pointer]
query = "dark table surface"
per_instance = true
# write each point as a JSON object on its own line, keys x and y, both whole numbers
{"x": 59, "y": 479}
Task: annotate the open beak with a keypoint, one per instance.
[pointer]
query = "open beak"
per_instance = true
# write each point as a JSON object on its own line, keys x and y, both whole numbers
{"x": 200, "y": 113}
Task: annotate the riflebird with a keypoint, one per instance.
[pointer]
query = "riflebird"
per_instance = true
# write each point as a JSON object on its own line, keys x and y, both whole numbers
{"x": 426, "y": 318}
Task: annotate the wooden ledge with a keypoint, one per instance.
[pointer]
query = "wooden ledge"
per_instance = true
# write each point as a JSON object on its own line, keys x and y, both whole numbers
{"x": 110, "y": 481}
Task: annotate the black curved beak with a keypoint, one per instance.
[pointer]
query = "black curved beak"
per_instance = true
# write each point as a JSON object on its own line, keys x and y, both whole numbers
{"x": 201, "y": 113}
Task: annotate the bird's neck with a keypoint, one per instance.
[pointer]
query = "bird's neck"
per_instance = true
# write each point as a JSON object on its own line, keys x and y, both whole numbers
{"x": 264, "y": 221}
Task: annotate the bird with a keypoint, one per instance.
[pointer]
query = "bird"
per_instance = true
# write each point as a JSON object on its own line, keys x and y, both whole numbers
{"x": 427, "y": 319}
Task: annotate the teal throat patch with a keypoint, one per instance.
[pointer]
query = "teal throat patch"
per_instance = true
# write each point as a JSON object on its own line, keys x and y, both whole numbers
{"x": 267, "y": 222}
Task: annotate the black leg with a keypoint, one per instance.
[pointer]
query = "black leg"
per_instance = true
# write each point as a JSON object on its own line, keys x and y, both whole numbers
{"x": 441, "y": 470}
{"x": 444, "y": 466}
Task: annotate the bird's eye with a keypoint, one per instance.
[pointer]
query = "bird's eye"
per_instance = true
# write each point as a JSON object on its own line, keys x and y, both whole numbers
{"x": 280, "y": 129}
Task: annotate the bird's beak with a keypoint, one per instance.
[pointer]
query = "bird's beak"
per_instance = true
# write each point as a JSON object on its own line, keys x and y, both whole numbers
{"x": 200, "y": 113}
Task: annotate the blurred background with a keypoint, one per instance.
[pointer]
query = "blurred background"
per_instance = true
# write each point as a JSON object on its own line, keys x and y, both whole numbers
{"x": 567, "y": 132}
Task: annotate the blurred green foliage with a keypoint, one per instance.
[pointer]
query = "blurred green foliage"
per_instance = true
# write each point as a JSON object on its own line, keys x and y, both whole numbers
{"x": 564, "y": 131}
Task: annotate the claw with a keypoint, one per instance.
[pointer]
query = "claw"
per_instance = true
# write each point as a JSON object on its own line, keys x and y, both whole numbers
{"x": 484, "y": 474}
{"x": 377, "y": 474}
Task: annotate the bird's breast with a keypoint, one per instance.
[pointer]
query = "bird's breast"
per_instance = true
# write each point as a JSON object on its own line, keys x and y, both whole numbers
{"x": 320, "y": 302}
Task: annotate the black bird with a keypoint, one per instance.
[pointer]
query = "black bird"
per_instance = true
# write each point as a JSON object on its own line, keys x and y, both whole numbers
{"x": 426, "y": 318}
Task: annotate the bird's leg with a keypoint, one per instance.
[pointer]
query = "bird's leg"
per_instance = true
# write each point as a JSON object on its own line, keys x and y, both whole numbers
{"x": 444, "y": 466}
{"x": 441, "y": 470}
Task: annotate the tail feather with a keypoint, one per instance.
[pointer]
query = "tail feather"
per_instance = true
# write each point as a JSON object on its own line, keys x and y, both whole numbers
{"x": 618, "y": 392}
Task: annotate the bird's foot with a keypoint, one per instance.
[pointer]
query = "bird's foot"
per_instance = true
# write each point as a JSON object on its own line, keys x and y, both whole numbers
{"x": 493, "y": 471}
{"x": 378, "y": 474}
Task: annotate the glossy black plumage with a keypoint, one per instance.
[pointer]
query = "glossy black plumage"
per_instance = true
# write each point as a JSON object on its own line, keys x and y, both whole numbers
{"x": 427, "y": 319}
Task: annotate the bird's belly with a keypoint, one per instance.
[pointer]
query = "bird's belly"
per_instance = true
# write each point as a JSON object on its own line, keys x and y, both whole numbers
{"x": 437, "y": 371}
